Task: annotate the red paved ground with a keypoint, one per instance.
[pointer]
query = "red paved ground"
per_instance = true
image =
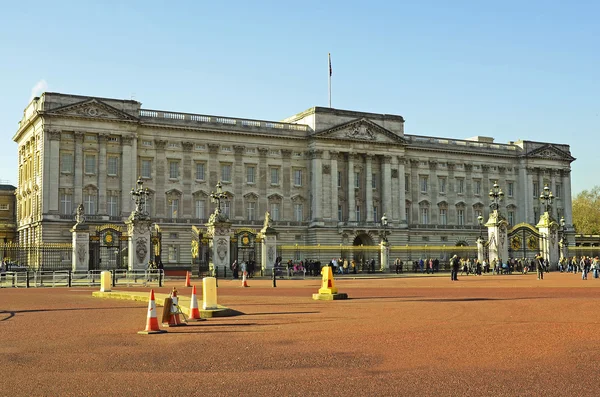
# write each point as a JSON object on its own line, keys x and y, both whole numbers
{"x": 492, "y": 335}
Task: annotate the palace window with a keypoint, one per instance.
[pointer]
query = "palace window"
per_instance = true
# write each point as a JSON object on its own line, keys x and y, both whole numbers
{"x": 274, "y": 176}
{"x": 460, "y": 216}
{"x": 173, "y": 169}
{"x": 442, "y": 185}
{"x": 89, "y": 202}
{"x": 443, "y": 216}
{"x": 477, "y": 213}
{"x": 298, "y": 212}
{"x": 375, "y": 214}
{"x": 511, "y": 217}
{"x": 90, "y": 164}
{"x": 536, "y": 190}
{"x": 148, "y": 206}
{"x": 340, "y": 213}
{"x": 460, "y": 185}
{"x": 251, "y": 211}
{"x": 199, "y": 171}
{"x": 424, "y": 216}
{"x": 406, "y": 183}
{"x": 66, "y": 204}
{"x": 226, "y": 173}
{"x": 477, "y": 190}
{"x": 339, "y": 179}
{"x": 374, "y": 181}
{"x": 358, "y": 213}
{"x": 146, "y": 169}
{"x": 407, "y": 214}
{"x": 250, "y": 172}
{"x": 357, "y": 180}
{"x": 227, "y": 208}
{"x": 275, "y": 211}
{"x": 112, "y": 205}
{"x": 511, "y": 189}
{"x": 112, "y": 167}
{"x": 297, "y": 177}
{"x": 174, "y": 208}
{"x": 557, "y": 190}
{"x": 423, "y": 183}
{"x": 66, "y": 163}
{"x": 199, "y": 208}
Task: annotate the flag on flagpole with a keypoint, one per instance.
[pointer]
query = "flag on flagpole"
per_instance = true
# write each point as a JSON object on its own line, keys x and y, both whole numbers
{"x": 330, "y": 71}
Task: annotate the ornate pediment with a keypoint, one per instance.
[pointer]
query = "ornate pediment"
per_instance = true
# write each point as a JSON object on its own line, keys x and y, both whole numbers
{"x": 92, "y": 108}
{"x": 550, "y": 152}
{"x": 360, "y": 130}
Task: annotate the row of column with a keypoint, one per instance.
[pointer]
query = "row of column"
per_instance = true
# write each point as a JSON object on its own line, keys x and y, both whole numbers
{"x": 128, "y": 171}
{"x": 325, "y": 188}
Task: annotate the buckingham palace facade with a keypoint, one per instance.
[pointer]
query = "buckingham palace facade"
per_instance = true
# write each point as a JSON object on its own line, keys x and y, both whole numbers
{"x": 325, "y": 175}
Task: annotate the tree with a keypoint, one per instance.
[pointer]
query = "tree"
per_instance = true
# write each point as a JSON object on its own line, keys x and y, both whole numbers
{"x": 586, "y": 211}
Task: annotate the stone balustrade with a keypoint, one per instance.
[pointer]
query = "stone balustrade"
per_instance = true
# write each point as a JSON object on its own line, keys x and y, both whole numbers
{"x": 228, "y": 121}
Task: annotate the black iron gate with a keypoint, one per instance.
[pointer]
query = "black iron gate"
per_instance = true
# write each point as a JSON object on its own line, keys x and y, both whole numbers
{"x": 108, "y": 248}
{"x": 243, "y": 246}
{"x": 200, "y": 252}
{"x": 523, "y": 240}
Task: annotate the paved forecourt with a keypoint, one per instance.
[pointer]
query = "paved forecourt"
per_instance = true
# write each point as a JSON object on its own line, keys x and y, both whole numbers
{"x": 494, "y": 335}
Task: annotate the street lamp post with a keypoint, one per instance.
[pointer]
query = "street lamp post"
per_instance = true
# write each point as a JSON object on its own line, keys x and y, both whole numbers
{"x": 562, "y": 242}
{"x": 384, "y": 223}
{"x": 496, "y": 196}
{"x": 217, "y": 196}
{"x": 480, "y": 222}
{"x": 546, "y": 199}
{"x": 139, "y": 195}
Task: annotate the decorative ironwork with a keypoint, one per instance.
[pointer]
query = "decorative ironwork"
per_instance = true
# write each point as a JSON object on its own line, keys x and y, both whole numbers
{"x": 140, "y": 196}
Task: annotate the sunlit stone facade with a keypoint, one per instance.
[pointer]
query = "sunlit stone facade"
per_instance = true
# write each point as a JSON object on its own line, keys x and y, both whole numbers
{"x": 326, "y": 175}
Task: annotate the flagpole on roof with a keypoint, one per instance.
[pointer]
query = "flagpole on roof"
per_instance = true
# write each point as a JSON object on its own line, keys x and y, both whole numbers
{"x": 329, "y": 58}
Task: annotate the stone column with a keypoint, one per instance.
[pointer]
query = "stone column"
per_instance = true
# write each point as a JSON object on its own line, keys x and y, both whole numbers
{"x": 52, "y": 169}
{"x": 567, "y": 204}
{"x": 529, "y": 199}
{"x": 351, "y": 199}
{"x": 316, "y": 168}
{"x": 402, "y": 193}
{"x": 287, "y": 211}
{"x": 369, "y": 189}
{"x": 549, "y": 248}
{"x": 480, "y": 250}
{"x": 333, "y": 158}
{"x": 432, "y": 192}
{"x": 126, "y": 178}
{"x": 78, "y": 170}
{"x": 214, "y": 173}
{"x": 415, "y": 190}
{"x": 386, "y": 185}
{"x": 139, "y": 247}
{"x": 102, "y": 210}
{"x": 497, "y": 237}
{"x": 187, "y": 204}
{"x": 80, "y": 257}
{"x": 384, "y": 250}
{"x": 239, "y": 181}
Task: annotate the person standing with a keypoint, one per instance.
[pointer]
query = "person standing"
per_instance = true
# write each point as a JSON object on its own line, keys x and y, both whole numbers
{"x": 235, "y": 269}
{"x": 540, "y": 267}
{"x": 454, "y": 269}
{"x": 596, "y": 267}
{"x": 583, "y": 267}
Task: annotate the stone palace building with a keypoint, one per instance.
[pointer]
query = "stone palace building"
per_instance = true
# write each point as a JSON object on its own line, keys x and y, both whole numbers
{"x": 325, "y": 175}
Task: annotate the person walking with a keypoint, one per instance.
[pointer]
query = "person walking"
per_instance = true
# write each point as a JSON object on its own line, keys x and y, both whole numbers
{"x": 583, "y": 267}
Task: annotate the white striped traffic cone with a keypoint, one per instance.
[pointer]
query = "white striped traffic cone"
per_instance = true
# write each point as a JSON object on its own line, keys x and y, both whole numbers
{"x": 151, "y": 322}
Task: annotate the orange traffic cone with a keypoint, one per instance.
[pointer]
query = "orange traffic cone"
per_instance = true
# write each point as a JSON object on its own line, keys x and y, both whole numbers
{"x": 244, "y": 282}
{"x": 152, "y": 321}
{"x": 194, "y": 311}
{"x": 187, "y": 279}
{"x": 175, "y": 311}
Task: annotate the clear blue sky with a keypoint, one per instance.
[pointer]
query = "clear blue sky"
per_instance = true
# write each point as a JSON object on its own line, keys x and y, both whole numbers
{"x": 511, "y": 69}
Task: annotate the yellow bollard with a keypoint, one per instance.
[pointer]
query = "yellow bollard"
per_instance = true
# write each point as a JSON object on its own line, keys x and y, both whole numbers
{"x": 105, "y": 281}
{"x": 209, "y": 293}
{"x": 328, "y": 291}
